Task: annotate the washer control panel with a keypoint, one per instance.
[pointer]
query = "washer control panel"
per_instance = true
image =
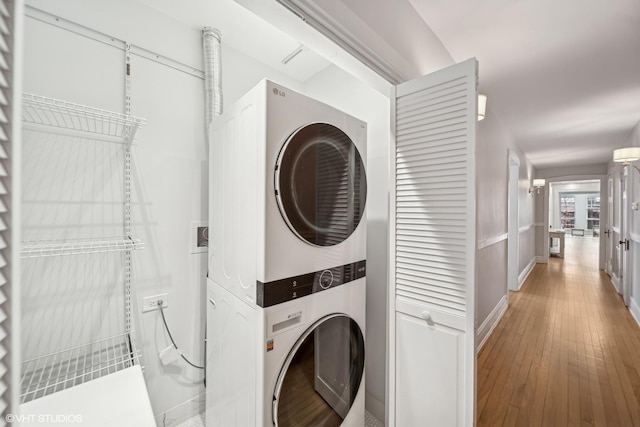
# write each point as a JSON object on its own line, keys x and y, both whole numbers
{"x": 279, "y": 291}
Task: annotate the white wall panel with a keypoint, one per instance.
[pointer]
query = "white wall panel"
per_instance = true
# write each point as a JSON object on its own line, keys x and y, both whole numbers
{"x": 437, "y": 391}
{"x": 526, "y": 250}
{"x": 492, "y": 279}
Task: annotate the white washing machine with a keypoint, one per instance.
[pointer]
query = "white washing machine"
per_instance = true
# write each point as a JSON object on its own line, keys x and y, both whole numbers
{"x": 287, "y": 196}
{"x": 287, "y": 264}
{"x": 299, "y": 363}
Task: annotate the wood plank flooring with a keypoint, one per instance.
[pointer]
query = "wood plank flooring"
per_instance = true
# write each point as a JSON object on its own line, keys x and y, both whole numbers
{"x": 566, "y": 352}
{"x": 299, "y": 404}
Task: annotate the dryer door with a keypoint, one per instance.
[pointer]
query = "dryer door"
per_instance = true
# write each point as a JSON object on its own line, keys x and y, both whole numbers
{"x": 321, "y": 376}
{"x": 321, "y": 186}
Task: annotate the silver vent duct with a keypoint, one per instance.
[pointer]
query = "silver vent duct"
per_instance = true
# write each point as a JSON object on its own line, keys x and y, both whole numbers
{"x": 212, "y": 73}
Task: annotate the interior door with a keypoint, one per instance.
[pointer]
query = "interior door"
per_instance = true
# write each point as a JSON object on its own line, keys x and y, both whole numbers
{"x": 432, "y": 294}
{"x": 624, "y": 241}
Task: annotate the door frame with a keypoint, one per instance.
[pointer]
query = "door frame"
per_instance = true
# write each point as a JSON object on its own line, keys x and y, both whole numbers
{"x": 608, "y": 258}
{"x": 603, "y": 218}
{"x": 513, "y": 218}
{"x": 623, "y": 272}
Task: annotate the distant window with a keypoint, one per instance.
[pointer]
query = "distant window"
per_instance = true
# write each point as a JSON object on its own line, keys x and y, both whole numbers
{"x": 567, "y": 211}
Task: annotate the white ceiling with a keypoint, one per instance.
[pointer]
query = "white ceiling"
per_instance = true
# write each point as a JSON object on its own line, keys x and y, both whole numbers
{"x": 245, "y": 32}
{"x": 563, "y": 76}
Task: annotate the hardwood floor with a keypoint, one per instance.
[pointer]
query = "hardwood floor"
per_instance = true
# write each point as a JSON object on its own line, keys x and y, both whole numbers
{"x": 566, "y": 352}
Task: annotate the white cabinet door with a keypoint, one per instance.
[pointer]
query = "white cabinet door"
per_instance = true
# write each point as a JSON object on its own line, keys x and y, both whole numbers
{"x": 432, "y": 332}
{"x": 231, "y": 360}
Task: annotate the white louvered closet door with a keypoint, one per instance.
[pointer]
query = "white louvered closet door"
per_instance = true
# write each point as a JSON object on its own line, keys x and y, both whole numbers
{"x": 432, "y": 333}
{"x": 10, "y": 30}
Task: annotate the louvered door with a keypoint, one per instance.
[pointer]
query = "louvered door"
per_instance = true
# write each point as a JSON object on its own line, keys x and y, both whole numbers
{"x": 10, "y": 12}
{"x": 432, "y": 336}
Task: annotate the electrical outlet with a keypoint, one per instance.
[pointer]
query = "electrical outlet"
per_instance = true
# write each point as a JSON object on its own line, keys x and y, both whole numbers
{"x": 154, "y": 302}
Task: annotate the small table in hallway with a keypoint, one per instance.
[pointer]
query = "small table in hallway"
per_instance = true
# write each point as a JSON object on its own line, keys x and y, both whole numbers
{"x": 556, "y": 234}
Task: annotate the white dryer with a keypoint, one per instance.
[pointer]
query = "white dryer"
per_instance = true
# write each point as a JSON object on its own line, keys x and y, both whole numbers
{"x": 287, "y": 196}
{"x": 296, "y": 364}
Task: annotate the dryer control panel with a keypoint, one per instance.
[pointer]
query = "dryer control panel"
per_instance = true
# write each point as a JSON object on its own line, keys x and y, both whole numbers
{"x": 283, "y": 290}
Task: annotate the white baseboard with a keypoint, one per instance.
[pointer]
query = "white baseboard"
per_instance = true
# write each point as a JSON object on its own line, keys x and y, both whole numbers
{"x": 615, "y": 281}
{"x": 490, "y": 323}
{"x": 181, "y": 412}
{"x": 634, "y": 308}
{"x": 374, "y": 406}
{"x": 541, "y": 260}
{"x": 525, "y": 273}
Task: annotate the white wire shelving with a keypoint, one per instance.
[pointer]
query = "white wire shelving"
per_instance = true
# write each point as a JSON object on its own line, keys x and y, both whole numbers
{"x": 57, "y": 371}
{"x": 53, "y": 372}
{"x": 44, "y": 248}
{"x": 66, "y": 118}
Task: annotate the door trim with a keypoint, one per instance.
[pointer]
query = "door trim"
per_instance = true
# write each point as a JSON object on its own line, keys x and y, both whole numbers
{"x": 513, "y": 221}
{"x": 603, "y": 214}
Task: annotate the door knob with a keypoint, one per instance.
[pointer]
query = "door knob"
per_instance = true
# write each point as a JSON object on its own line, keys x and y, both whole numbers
{"x": 427, "y": 316}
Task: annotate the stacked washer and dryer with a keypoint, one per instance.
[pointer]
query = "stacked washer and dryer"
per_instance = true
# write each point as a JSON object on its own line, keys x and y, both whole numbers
{"x": 287, "y": 263}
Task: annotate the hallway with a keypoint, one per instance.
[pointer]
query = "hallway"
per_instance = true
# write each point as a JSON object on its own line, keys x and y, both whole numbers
{"x": 566, "y": 352}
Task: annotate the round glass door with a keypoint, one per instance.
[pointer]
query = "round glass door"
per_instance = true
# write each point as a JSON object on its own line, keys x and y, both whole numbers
{"x": 321, "y": 376}
{"x": 321, "y": 185}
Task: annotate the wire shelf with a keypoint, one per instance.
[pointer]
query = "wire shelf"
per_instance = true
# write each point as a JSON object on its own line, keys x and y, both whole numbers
{"x": 43, "y": 248}
{"x": 57, "y": 116}
{"x": 55, "y": 372}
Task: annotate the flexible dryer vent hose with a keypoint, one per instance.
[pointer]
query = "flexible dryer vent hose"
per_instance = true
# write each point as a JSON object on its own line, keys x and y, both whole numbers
{"x": 212, "y": 73}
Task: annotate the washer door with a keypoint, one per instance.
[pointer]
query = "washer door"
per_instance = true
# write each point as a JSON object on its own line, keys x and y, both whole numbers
{"x": 321, "y": 376}
{"x": 321, "y": 185}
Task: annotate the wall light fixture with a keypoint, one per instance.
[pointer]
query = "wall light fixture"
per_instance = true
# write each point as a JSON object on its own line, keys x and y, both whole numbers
{"x": 538, "y": 183}
{"x": 482, "y": 106}
{"x": 627, "y": 155}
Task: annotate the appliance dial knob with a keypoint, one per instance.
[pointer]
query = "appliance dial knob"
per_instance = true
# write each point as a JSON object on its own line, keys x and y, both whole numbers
{"x": 326, "y": 279}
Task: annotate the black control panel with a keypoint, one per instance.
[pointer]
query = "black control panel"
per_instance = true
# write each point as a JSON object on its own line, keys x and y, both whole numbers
{"x": 283, "y": 290}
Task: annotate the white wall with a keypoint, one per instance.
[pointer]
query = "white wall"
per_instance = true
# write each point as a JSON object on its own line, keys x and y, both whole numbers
{"x": 56, "y": 204}
{"x": 570, "y": 171}
{"x": 330, "y": 86}
{"x": 169, "y": 179}
{"x": 170, "y": 174}
{"x": 527, "y": 224}
{"x": 494, "y": 143}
